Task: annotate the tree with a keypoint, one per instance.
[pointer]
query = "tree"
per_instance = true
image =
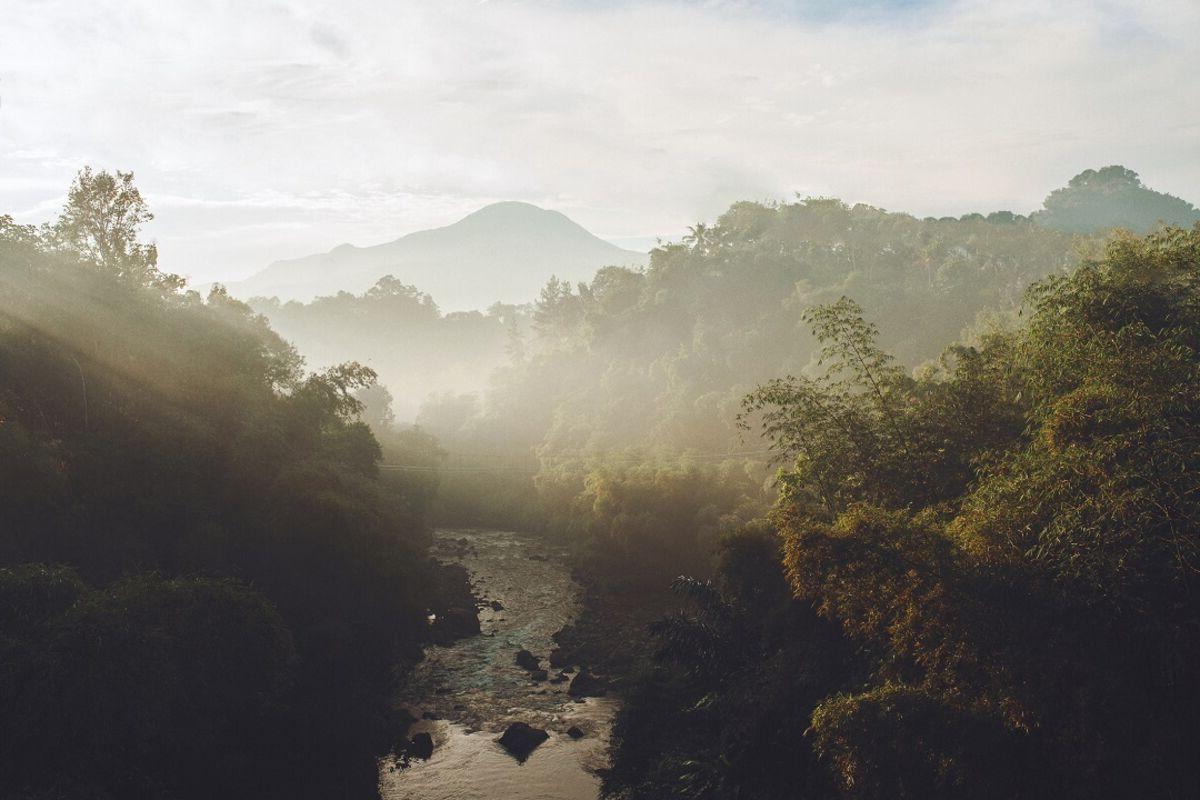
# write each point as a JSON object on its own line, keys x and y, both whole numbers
{"x": 376, "y": 403}
{"x": 101, "y": 222}
{"x": 1112, "y": 197}
{"x": 243, "y": 589}
{"x": 557, "y": 311}
{"x": 1026, "y": 623}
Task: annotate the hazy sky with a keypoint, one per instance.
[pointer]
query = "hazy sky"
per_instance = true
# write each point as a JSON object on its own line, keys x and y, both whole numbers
{"x": 270, "y": 130}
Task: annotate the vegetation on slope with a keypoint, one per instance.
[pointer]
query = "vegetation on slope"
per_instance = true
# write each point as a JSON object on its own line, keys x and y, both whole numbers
{"x": 627, "y": 388}
{"x": 205, "y": 589}
{"x": 1113, "y": 197}
{"x": 978, "y": 581}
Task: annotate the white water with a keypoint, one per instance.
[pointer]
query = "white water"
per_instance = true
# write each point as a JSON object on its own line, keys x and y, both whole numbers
{"x": 476, "y": 689}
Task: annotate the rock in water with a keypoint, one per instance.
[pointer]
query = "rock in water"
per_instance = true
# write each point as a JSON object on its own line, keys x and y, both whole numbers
{"x": 520, "y": 740}
{"x": 539, "y": 675}
{"x": 421, "y": 746}
{"x": 585, "y": 684}
{"x": 527, "y": 660}
{"x": 575, "y": 732}
{"x": 497, "y": 605}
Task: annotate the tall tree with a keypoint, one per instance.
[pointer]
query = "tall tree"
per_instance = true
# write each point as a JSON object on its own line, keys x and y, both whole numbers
{"x": 101, "y": 223}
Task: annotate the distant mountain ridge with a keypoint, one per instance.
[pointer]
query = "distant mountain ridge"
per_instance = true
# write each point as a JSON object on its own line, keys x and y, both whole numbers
{"x": 503, "y": 252}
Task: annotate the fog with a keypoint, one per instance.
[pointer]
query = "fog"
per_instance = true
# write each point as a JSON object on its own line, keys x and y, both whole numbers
{"x": 548, "y": 400}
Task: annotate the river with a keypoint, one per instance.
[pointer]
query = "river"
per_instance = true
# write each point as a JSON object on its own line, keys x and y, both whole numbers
{"x": 475, "y": 689}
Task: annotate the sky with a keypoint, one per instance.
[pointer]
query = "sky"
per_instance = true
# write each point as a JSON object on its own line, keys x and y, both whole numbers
{"x": 263, "y": 130}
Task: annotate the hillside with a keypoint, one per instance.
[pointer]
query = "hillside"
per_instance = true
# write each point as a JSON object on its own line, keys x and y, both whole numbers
{"x": 503, "y": 252}
{"x": 1112, "y": 197}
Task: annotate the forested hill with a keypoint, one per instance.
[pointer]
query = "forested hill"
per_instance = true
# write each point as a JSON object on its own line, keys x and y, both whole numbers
{"x": 933, "y": 484}
{"x": 206, "y": 589}
{"x": 680, "y": 340}
{"x": 661, "y": 357}
{"x": 979, "y": 581}
{"x": 500, "y": 253}
{"x": 1113, "y": 197}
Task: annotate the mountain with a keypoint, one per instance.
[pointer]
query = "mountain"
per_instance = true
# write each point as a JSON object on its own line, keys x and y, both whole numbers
{"x": 503, "y": 252}
{"x": 1112, "y": 197}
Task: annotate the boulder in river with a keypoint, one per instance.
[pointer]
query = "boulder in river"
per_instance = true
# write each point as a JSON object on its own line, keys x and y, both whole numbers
{"x": 575, "y": 732}
{"x": 585, "y": 684}
{"x": 520, "y": 740}
{"x": 527, "y": 660}
{"x": 539, "y": 675}
{"x": 496, "y": 605}
{"x": 421, "y": 745}
{"x": 538, "y": 557}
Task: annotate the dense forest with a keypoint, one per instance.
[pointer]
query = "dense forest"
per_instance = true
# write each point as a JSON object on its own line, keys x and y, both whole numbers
{"x": 609, "y": 410}
{"x": 977, "y": 581}
{"x": 713, "y": 314}
{"x": 628, "y": 388}
{"x": 206, "y": 589}
{"x": 864, "y": 505}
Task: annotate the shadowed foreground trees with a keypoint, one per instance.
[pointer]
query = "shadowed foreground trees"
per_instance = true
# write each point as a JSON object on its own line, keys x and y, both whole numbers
{"x": 1001, "y": 551}
{"x": 205, "y": 589}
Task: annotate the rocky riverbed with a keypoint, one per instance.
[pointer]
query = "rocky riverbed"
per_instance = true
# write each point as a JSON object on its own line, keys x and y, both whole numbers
{"x": 470, "y": 694}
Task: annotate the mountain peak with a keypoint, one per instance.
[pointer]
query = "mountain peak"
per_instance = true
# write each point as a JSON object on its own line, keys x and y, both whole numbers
{"x": 515, "y": 214}
{"x": 509, "y": 207}
{"x": 502, "y": 252}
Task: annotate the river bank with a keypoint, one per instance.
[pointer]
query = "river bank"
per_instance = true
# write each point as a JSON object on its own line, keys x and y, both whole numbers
{"x": 464, "y": 693}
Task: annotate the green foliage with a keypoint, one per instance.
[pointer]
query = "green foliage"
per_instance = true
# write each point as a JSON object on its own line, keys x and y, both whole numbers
{"x": 139, "y": 688}
{"x": 723, "y": 711}
{"x": 626, "y": 390}
{"x": 897, "y": 741}
{"x": 1114, "y": 367}
{"x": 1002, "y": 617}
{"x": 864, "y": 430}
{"x": 255, "y": 586}
{"x": 1002, "y": 547}
{"x": 662, "y": 357}
{"x": 641, "y": 524}
{"x": 100, "y": 223}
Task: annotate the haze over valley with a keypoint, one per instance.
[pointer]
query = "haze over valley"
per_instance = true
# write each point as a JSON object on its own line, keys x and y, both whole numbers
{"x": 502, "y": 253}
{"x": 410, "y": 290}
{"x": 623, "y": 400}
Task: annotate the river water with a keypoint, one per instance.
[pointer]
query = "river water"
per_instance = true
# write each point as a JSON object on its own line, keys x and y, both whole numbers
{"x": 475, "y": 689}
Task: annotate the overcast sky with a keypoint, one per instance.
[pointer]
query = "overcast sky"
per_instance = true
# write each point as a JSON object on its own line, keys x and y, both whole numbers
{"x": 270, "y": 130}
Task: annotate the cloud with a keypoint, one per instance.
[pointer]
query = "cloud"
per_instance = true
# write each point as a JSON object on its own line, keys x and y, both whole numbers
{"x": 268, "y": 131}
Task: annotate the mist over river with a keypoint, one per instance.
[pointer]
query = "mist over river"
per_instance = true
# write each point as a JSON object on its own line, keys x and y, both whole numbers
{"x": 475, "y": 689}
